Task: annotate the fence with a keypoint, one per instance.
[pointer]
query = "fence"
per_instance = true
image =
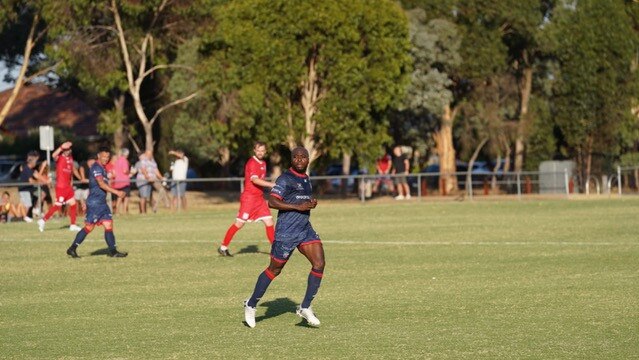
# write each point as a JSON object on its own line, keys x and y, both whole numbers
{"x": 423, "y": 185}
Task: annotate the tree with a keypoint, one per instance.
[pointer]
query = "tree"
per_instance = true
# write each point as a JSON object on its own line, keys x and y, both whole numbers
{"x": 24, "y": 26}
{"x": 327, "y": 72}
{"x": 431, "y": 94}
{"x": 593, "y": 93}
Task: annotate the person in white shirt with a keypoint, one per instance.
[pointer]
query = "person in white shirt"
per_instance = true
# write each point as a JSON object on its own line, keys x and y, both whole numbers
{"x": 179, "y": 168}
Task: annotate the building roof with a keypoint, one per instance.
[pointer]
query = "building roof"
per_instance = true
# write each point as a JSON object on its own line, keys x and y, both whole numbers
{"x": 39, "y": 104}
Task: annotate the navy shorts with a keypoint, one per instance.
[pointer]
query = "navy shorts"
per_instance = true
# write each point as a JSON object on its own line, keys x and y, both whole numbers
{"x": 98, "y": 214}
{"x": 283, "y": 247}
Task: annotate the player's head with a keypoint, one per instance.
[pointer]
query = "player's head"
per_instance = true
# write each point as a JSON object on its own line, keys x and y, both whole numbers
{"x": 299, "y": 159}
{"x": 92, "y": 159}
{"x": 124, "y": 152}
{"x": 5, "y": 196}
{"x": 104, "y": 154}
{"x": 259, "y": 149}
{"x": 32, "y": 157}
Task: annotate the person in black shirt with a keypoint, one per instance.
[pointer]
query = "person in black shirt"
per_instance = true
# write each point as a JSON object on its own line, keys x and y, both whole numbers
{"x": 28, "y": 176}
{"x": 400, "y": 170}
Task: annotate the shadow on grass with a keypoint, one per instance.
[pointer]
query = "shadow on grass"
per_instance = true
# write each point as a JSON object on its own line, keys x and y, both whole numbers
{"x": 275, "y": 308}
{"x": 98, "y": 252}
{"x": 251, "y": 249}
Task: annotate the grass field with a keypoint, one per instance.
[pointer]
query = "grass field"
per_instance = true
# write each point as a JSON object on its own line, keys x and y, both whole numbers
{"x": 483, "y": 280}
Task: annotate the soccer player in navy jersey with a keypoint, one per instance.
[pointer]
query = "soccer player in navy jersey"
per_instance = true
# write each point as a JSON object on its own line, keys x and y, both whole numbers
{"x": 98, "y": 212}
{"x": 292, "y": 195}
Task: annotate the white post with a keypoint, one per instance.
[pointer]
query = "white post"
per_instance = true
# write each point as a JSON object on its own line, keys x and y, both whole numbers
{"x": 619, "y": 180}
{"x": 519, "y": 185}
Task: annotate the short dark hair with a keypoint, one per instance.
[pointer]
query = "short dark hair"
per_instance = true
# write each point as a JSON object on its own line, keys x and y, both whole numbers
{"x": 104, "y": 149}
{"x": 92, "y": 157}
{"x": 33, "y": 153}
{"x": 259, "y": 143}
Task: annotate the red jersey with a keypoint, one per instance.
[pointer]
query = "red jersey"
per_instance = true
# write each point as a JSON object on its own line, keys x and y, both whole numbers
{"x": 64, "y": 171}
{"x": 384, "y": 163}
{"x": 254, "y": 169}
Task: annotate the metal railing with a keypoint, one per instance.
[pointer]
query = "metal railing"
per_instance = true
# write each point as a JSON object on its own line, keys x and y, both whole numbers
{"x": 423, "y": 185}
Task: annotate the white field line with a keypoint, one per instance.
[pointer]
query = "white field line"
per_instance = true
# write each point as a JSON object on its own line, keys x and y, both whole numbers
{"x": 358, "y": 242}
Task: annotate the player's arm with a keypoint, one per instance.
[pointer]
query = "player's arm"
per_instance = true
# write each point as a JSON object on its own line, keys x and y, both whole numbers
{"x": 76, "y": 173}
{"x": 276, "y": 202}
{"x": 60, "y": 148}
{"x": 261, "y": 182}
{"x": 83, "y": 176}
{"x": 107, "y": 188}
{"x": 406, "y": 166}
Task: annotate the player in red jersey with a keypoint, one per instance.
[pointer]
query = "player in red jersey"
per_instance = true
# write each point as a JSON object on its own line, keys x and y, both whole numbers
{"x": 253, "y": 207}
{"x": 64, "y": 194}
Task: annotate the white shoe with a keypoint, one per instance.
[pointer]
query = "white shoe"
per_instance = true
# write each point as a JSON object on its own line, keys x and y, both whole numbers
{"x": 399, "y": 197}
{"x": 74, "y": 227}
{"x": 41, "y": 225}
{"x": 27, "y": 219}
{"x": 249, "y": 315}
{"x": 407, "y": 197}
{"x": 307, "y": 313}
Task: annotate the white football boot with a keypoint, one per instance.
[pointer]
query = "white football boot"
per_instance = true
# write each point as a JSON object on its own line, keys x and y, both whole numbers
{"x": 249, "y": 315}
{"x": 41, "y": 225}
{"x": 307, "y": 313}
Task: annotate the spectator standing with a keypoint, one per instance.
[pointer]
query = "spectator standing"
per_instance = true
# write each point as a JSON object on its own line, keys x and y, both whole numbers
{"x": 28, "y": 176}
{"x": 383, "y": 166}
{"x": 178, "y": 175}
{"x": 144, "y": 188}
{"x": 400, "y": 170}
{"x": 45, "y": 187}
{"x": 121, "y": 181}
{"x": 82, "y": 190}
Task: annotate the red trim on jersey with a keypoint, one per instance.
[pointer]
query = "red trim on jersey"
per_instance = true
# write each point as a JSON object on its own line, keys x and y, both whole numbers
{"x": 276, "y": 196}
{"x": 317, "y": 274}
{"x": 279, "y": 261}
{"x": 298, "y": 174}
{"x": 311, "y": 242}
{"x": 269, "y": 274}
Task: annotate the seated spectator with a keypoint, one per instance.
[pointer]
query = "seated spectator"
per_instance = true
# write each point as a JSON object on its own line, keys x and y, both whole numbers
{"x": 9, "y": 210}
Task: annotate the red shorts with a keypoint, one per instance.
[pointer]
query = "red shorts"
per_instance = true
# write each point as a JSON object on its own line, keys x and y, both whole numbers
{"x": 63, "y": 194}
{"x": 253, "y": 209}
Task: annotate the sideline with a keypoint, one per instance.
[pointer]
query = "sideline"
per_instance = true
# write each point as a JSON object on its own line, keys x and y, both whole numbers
{"x": 356, "y": 242}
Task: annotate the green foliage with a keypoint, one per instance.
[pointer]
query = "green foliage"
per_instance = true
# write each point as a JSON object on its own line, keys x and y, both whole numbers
{"x": 594, "y": 93}
{"x": 265, "y": 47}
{"x": 541, "y": 143}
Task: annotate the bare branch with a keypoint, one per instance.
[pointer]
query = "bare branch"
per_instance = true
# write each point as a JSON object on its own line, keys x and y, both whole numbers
{"x": 167, "y": 66}
{"x": 171, "y": 104}
{"x": 41, "y": 72}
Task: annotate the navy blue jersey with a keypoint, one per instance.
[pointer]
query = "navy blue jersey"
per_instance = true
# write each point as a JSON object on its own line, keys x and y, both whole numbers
{"x": 292, "y": 188}
{"x": 97, "y": 196}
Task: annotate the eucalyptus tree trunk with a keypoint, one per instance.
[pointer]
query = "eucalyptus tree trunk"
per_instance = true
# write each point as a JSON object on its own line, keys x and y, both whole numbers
{"x": 525, "y": 89}
{"x": 26, "y": 56}
{"x": 446, "y": 151}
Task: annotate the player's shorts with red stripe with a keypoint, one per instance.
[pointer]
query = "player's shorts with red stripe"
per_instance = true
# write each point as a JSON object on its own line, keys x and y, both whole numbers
{"x": 253, "y": 209}
{"x": 64, "y": 194}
